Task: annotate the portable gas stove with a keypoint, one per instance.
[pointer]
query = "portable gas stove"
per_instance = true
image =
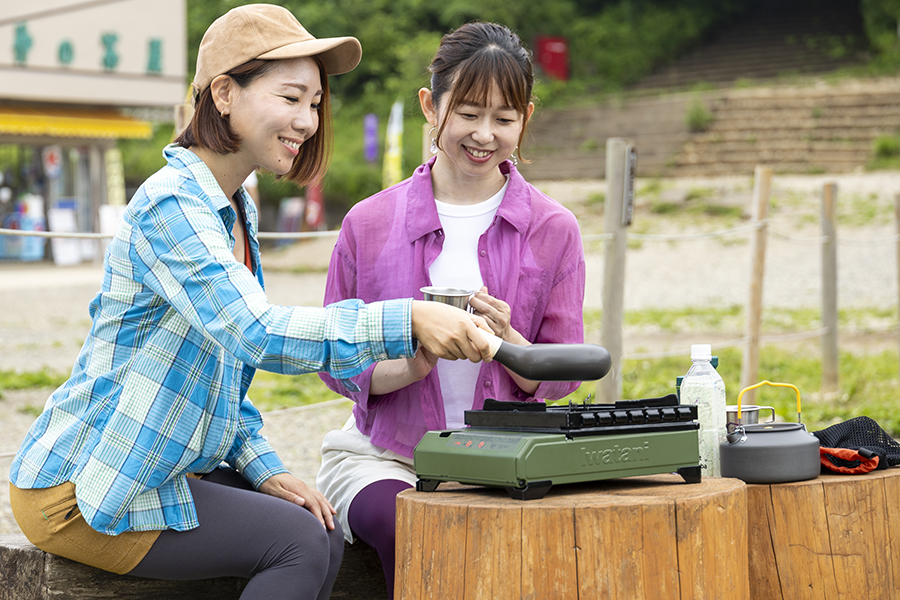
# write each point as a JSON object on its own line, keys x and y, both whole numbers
{"x": 526, "y": 447}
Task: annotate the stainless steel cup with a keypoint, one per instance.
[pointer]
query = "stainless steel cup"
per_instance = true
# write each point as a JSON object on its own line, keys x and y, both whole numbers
{"x": 749, "y": 415}
{"x": 453, "y": 296}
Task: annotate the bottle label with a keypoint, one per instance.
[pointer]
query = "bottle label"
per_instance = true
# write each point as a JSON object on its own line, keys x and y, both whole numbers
{"x": 708, "y": 393}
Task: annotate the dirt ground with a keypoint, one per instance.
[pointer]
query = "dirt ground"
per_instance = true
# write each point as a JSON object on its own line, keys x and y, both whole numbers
{"x": 44, "y": 316}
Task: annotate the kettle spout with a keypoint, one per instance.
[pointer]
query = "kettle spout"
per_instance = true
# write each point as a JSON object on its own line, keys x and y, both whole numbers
{"x": 737, "y": 436}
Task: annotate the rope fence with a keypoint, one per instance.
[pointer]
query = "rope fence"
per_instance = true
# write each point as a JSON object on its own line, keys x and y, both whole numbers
{"x": 594, "y": 237}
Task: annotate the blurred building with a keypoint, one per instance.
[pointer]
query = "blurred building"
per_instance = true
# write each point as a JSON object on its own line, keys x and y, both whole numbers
{"x": 76, "y": 76}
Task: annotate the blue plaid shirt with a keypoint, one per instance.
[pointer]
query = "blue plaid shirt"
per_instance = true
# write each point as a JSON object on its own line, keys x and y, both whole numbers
{"x": 179, "y": 327}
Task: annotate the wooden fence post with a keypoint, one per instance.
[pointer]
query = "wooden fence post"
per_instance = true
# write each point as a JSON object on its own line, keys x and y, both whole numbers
{"x": 616, "y": 216}
{"x": 760, "y": 212}
{"x": 897, "y": 219}
{"x": 829, "y": 290}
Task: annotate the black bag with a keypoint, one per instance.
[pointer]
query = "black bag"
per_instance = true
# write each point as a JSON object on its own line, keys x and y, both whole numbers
{"x": 863, "y": 435}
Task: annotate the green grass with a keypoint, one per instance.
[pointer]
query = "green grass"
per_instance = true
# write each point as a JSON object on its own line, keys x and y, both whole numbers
{"x": 856, "y": 210}
{"x": 698, "y": 202}
{"x": 31, "y": 410}
{"x": 596, "y": 199}
{"x": 14, "y": 380}
{"x": 664, "y": 208}
{"x": 301, "y": 269}
{"x": 269, "y": 391}
{"x": 720, "y": 319}
{"x": 686, "y": 319}
{"x": 273, "y": 391}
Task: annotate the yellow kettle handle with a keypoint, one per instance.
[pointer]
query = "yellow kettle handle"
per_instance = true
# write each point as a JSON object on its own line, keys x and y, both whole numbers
{"x": 773, "y": 384}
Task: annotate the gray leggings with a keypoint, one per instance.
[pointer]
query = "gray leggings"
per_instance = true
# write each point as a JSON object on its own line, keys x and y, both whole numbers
{"x": 281, "y": 547}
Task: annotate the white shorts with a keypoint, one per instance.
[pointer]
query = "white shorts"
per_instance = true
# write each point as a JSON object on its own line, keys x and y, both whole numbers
{"x": 350, "y": 462}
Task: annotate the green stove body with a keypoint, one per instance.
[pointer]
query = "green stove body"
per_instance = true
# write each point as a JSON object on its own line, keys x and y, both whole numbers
{"x": 528, "y": 447}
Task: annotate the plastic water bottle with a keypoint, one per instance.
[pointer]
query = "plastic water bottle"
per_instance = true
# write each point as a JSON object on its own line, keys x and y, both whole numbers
{"x": 702, "y": 385}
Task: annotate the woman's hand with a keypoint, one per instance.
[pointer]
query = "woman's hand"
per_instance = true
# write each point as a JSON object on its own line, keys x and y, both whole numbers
{"x": 288, "y": 487}
{"x": 494, "y": 311}
{"x": 496, "y": 314}
{"x": 448, "y": 332}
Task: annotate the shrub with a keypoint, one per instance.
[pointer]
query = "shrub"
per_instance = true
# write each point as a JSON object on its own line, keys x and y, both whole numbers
{"x": 886, "y": 146}
{"x": 698, "y": 118}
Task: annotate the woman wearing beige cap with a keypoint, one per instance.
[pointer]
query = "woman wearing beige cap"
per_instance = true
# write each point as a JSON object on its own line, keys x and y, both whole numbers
{"x": 149, "y": 459}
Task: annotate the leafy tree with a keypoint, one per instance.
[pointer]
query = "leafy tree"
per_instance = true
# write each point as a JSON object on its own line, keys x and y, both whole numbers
{"x": 881, "y": 19}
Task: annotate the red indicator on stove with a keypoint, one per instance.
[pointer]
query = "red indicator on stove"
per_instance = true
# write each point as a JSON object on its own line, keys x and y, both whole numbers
{"x": 458, "y": 443}
{"x": 480, "y": 444}
{"x": 469, "y": 443}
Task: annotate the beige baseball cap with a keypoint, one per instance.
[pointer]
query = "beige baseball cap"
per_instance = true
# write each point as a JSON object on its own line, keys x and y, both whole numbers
{"x": 268, "y": 32}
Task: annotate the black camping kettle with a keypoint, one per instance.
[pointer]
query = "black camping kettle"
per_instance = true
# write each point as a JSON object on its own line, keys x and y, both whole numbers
{"x": 770, "y": 452}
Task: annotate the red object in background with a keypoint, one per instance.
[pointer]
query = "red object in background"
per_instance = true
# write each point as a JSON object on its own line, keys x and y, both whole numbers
{"x": 553, "y": 56}
{"x": 315, "y": 208}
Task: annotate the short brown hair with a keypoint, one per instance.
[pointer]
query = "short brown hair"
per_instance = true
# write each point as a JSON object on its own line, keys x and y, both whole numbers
{"x": 475, "y": 57}
{"x": 208, "y": 129}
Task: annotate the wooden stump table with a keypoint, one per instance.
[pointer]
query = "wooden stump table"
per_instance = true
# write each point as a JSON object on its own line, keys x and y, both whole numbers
{"x": 628, "y": 539}
{"x": 833, "y": 537}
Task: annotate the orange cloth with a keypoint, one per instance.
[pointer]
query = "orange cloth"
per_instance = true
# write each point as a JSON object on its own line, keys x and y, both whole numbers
{"x": 865, "y": 464}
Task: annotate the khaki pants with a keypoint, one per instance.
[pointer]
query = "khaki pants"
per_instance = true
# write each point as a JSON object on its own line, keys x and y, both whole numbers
{"x": 50, "y": 519}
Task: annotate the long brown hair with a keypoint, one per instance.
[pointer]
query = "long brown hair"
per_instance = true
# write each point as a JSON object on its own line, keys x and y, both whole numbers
{"x": 208, "y": 129}
{"x": 474, "y": 58}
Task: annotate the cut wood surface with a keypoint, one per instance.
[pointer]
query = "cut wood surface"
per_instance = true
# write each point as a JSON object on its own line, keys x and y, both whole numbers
{"x": 628, "y": 539}
{"x": 831, "y": 538}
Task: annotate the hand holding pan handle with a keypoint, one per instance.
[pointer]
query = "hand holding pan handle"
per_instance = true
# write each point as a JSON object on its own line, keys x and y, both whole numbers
{"x": 552, "y": 362}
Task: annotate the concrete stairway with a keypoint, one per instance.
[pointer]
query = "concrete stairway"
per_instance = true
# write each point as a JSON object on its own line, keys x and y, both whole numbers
{"x": 571, "y": 144}
{"x": 812, "y": 128}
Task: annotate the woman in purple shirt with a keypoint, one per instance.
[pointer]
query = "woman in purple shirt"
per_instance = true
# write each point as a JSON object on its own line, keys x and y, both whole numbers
{"x": 465, "y": 219}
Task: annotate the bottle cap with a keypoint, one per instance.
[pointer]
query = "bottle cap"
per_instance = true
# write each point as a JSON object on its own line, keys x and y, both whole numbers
{"x": 701, "y": 352}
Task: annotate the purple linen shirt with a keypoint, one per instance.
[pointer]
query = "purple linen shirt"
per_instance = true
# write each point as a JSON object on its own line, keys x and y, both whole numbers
{"x": 531, "y": 257}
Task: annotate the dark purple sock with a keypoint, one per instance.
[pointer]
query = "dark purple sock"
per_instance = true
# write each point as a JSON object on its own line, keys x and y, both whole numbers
{"x": 372, "y": 517}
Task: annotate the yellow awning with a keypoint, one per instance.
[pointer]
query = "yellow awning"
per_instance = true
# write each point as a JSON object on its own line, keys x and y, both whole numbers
{"x": 71, "y": 122}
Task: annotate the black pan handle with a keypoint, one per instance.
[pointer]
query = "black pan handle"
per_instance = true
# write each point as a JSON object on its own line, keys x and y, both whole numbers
{"x": 553, "y": 362}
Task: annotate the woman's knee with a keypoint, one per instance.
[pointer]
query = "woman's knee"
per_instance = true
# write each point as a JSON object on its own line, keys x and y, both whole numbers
{"x": 305, "y": 543}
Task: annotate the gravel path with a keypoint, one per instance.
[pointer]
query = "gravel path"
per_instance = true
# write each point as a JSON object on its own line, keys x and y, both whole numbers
{"x": 44, "y": 318}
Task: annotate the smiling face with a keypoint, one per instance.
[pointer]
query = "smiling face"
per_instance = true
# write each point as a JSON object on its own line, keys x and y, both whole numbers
{"x": 475, "y": 135}
{"x": 276, "y": 113}
{"x": 476, "y": 138}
